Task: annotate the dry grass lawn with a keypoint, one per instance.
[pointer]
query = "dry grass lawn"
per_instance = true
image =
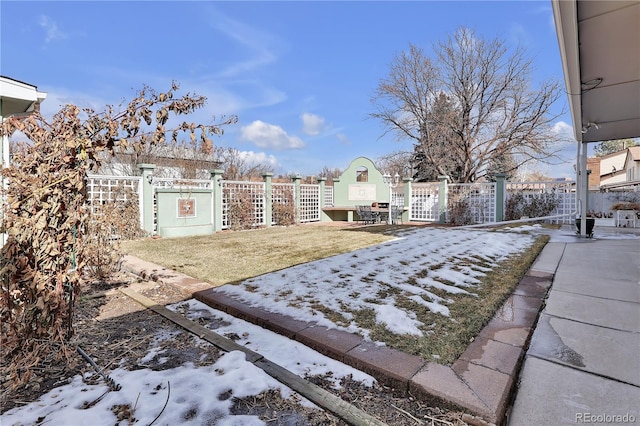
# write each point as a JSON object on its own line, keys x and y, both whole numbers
{"x": 228, "y": 257}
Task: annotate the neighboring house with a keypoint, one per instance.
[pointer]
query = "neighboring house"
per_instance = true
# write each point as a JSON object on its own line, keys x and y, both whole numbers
{"x": 170, "y": 161}
{"x": 593, "y": 166}
{"x": 632, "y": 164}
{"x": 617, "y": 170}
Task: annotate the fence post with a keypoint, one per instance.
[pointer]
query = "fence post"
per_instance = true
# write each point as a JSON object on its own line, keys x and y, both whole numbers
{"x": 443, "y": 195}
{"x": 268, "y": 198}
{"x": 146, "y": 171}
{"x": 296, "y": 197}
{"x": 216, "y": 195}
{"x": 500, "y": 196}
{"x": 322, "y": 181}
{"x": 406, "y": 213}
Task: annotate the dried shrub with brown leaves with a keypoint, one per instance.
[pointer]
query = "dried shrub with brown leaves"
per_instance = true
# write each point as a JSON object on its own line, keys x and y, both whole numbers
{"x": 241, "y": 211}
{"x": 284, "y": 208}
{"x": 46, "y": 215}
{"x": 459, "y": 210}
{"x": 530, "y": 205}
{"x": 110, "y": 223}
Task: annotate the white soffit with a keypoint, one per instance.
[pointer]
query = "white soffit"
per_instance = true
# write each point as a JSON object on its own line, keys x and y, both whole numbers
{"x": 603, "y": 37}
{"x": 17, "y": 97}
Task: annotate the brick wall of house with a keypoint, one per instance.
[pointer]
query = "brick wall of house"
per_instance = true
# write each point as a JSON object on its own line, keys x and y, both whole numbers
{"x": 593, "y": 164}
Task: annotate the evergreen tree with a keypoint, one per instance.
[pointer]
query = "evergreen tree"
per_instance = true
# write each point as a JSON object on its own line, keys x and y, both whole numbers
{"x": 609, "y": 147}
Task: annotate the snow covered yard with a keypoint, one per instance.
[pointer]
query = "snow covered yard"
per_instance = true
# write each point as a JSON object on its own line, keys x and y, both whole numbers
{"x": 192, "y": 394}
{"x": 419, "y": 288}
{"x": 409, "y": 291}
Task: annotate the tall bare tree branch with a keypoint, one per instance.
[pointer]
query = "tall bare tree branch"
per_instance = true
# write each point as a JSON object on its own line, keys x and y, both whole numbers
{"x": 470, "y": 104}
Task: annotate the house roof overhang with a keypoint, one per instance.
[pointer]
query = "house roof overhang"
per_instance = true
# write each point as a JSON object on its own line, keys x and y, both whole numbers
{"x": 17, "y": 97}
{"x": 600, "y": 48}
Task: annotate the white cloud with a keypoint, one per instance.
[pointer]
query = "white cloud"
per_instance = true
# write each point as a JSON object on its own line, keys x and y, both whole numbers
{"x": 520, "y": 35}
{"x": 312, "y": 124}
{"x": 255, "y": 158}
{"x": 265, "y": 135}
{"x": 262, "y": 46}
{"x": 51, "y": 28}
{"x": 59, "y": 97}
{"x": 343, "y": 138}
{"x": 563, "y": 129}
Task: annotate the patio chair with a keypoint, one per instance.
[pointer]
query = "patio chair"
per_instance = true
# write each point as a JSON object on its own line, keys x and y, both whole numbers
{"x": 367, "y": 215}
{"x": 396, "y": 214}
{"x": 360, "y": 216}
{"x": 626, "y": 218}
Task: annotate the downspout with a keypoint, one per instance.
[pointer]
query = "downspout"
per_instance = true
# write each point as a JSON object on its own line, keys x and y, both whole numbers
{"x": 583, "y": 190}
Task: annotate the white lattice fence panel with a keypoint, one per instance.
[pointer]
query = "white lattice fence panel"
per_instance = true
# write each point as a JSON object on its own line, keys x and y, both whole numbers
{"x": 477, "y": 201}
{"x": 566, "y": 207}
{"x": 309, "y": 203}
{"x": 328, "y": 196}
{"x": 397, "y": 198}
{"x": 108, "y": 189}
{"x": 243, "y": 194}
{"x": 563, "y": 191}
{"x": 424, "y": 202}
{"x": 282, "y": 194}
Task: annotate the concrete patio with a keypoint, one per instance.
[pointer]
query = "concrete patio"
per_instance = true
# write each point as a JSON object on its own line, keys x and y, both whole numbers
{"x": 583, "y": 362}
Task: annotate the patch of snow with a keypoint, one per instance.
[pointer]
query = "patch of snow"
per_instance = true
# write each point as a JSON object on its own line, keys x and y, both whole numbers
{"x": 287, "y": 353}
{"x": 194, "y": 393}
{"x": 436, "y": 308}
{"x": 351, "y": 282}
{"x": 396, "y": 320}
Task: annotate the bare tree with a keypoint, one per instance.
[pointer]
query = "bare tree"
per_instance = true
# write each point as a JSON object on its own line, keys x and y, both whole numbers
{"x": 237, "y": 166}
{"x": 471, "y": 105}
{"x": 330, "y": 173}
{"x": 399, "y": 162}
{"x": 501, "y": 164}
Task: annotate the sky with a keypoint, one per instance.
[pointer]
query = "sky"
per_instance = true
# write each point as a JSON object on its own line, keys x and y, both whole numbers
{"x": 299, "y": 75}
